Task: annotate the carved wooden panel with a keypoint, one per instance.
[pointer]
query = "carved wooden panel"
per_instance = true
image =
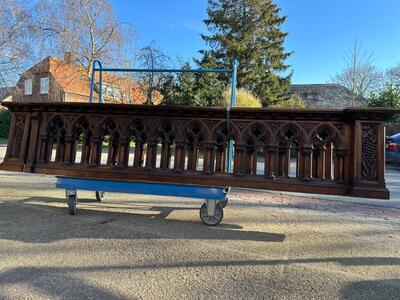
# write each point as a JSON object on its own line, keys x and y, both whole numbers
{"x": 294, "y": 150}
{"x": 16, "y": 144}
{"x": 369, "y": 152}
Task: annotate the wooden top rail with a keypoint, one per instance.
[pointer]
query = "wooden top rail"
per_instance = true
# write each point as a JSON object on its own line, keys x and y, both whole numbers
{"x": 318, "y": 151}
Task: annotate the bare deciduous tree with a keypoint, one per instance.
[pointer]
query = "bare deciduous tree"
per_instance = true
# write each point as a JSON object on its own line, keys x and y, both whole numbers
{"x": 15, "y": 29}
{"x": 87, "y": 28}
{"x": 151, "y": 57}
{"x": 360, "y": 75}
{"x": 393, "y": 74}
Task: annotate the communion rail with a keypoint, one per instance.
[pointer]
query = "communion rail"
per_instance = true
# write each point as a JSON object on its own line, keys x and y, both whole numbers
{"x": 337, "y": 152}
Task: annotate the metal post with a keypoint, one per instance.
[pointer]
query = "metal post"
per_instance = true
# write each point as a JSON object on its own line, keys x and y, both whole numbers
{"x": 100, "y": 69}
{"x": 92, "y": 84}
{"x": 101, "y": 85}
{"x": 235, "y": 64}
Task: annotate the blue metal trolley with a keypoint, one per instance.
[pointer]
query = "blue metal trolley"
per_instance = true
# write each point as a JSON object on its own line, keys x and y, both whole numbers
{"x": 211, "y": 212}
{"x": 216, "y": 198}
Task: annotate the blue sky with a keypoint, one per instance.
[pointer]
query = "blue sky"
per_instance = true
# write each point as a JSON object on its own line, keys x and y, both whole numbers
{"x": 320, "y": 31}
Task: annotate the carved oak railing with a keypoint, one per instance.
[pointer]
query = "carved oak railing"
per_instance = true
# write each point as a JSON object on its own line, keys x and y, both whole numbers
{"x": 317, "y": 151}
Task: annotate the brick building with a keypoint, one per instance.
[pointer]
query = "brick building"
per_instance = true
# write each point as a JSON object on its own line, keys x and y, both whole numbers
{"x": 56, "y": 80}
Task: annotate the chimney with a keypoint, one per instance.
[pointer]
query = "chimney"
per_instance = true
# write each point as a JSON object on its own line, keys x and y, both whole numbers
{"x": 70, "y": 57}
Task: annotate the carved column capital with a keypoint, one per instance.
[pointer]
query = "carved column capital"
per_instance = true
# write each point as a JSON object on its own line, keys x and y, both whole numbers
{"x": 307, "y": 150}
{"x": 95, "y": 140}
{"x": 273, "y": 149}
{"x": 123, "y": 141}
{"x": 69, "y": 139}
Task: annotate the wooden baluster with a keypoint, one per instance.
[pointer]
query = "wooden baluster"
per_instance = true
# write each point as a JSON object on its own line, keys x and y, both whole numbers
{"x": 282, "y": 162}
{"x": 224, "y": 156}
{"x": 74, "y": 150}
{"x": 95, "y": 149}
{"x": 328, "y": 161}
{"x": 138, "y": 159}
{"x": 86, "y": 150}
{"x": 165, "y": 154}
{"x": 320, "y": 172}
{"x": 62, "y": 152}
{"x": 193, "y": 156}
{"x": 266, "y": 161}
{"x": 340, "y": 153}
{"x": 238, "y": 161}
{"x": 307, "y": 162}
{"x": 123, "y": 152}
{"x": 254, "y": 162}
{"x": 49, "y": 148}
{"x": 272, "y": 159}
{"x": 286, "y": 162}
{"x": 314, "y": 162}
{"x": 151, "y": 156}
{"x": 59, "y": 148}
{"x": 110, "y": 152}
{"x": 220, "y": 160}
{"x": 69, "y": 150}
{"x": 209, "y": 158}
{"x": 299, "y": 163}
{"x": 43, "y": 141}
{"x": 248, "y": 160}
{"x": 179, "y": 160}
{"x": 247, "y": 157}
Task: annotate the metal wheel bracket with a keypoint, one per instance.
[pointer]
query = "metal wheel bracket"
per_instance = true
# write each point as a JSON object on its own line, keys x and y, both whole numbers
{"x": 223, "y": 203}
{"x": 71, "y": 193}
{"x": 211, "y": 207}
{"x": 100, "y": 195}
{"x": 71, "y": 198}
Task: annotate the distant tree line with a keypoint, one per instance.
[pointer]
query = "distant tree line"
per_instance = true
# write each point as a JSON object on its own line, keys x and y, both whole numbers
{"x": 88, "y": 28}
{"x": 381, "y": 88}
{"x": 248, "y": 30}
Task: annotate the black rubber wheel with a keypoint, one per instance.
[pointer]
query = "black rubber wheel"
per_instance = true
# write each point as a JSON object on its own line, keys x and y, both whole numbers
{"x": 72, "y": 205}
{"x": 100, "y": 196}
{"x": 211, "y": 220}
{"x": 223, "y": 203}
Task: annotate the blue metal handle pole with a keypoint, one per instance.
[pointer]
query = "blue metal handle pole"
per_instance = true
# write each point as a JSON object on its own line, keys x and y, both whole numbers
{"x": 165, "y": 70}
{"x": 235, "y": 65}
{"x": 101, "y": 86}
{"x": 92, "y": 84}
{"x": 94, "y": 69}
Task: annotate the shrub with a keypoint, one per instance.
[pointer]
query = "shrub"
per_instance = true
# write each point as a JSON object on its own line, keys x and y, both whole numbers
{"x": 244, "y": 98}
{"x": 5, "y": 119}
{"x": 295, "y": 101}
{"x": 389, "y": 96}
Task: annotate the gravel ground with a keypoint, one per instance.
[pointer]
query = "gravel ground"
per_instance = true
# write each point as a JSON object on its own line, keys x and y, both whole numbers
{"x": 270, "y": 246}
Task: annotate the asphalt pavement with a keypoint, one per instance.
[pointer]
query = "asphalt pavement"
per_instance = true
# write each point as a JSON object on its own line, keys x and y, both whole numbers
{"x": 269, "y": 246}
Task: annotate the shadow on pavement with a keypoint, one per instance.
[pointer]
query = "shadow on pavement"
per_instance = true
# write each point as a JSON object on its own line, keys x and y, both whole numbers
{"x": 372, "y": 289}
{"x": 40, "y": 222}
{"x": 55, "y": 283}
{"x": 63, "y": 282}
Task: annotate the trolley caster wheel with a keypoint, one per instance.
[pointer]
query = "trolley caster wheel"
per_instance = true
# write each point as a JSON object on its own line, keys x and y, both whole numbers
{"x": 211, "y": 220}
{"x": 100, "y": 196}
{"x": 223, "y": 203}
{"x": 71, "y": 204}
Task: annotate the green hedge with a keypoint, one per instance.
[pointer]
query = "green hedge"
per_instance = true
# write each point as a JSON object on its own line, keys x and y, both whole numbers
{"x": 5, "y": 119}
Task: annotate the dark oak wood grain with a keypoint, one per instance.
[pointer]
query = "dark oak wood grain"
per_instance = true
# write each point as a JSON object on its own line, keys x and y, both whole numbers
{"x": 317, "y": 151}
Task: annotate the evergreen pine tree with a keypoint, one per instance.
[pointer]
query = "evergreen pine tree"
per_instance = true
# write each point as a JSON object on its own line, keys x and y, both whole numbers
{"x": 249, "y": 30}
{"x": 210, "y": 86}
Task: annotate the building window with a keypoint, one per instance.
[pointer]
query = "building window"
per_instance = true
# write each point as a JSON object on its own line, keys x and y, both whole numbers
{"x": 112, "y": 91}
{"x": 44, "y": 85}
{"x": 28, "y": 86}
